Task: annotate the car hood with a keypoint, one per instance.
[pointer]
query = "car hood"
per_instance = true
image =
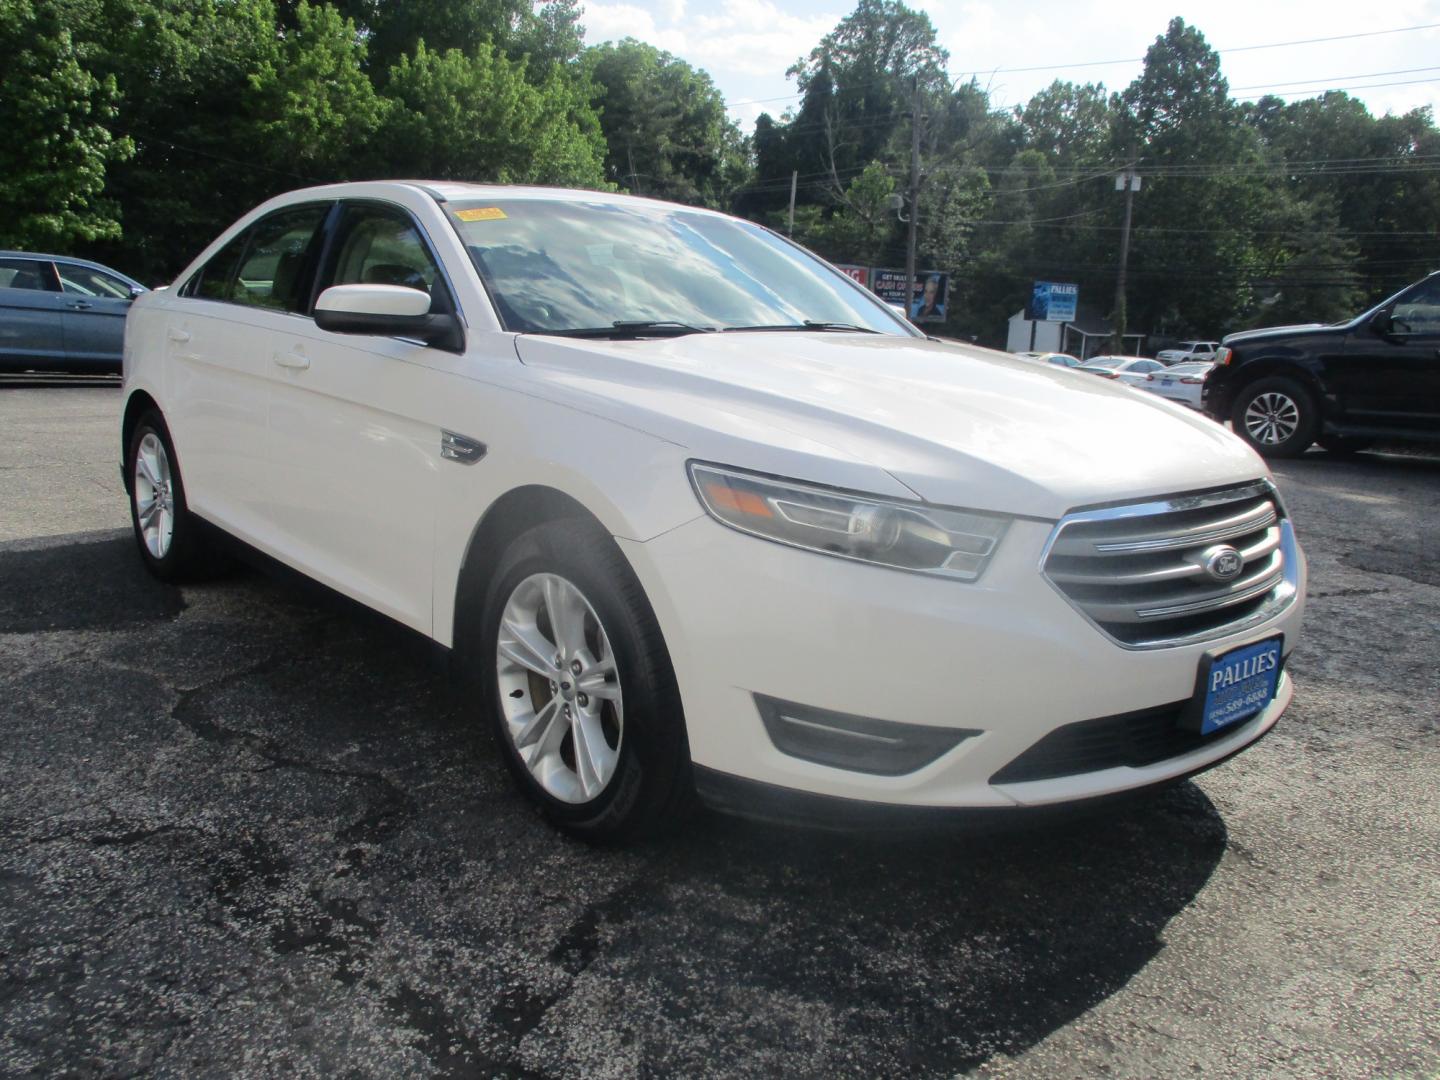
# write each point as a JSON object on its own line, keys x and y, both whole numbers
{"x": 956, "y": 425}
{"x": 1267, "y": 332}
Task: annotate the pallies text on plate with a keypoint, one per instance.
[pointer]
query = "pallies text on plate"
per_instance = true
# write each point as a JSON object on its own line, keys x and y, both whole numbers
{"x": 1256, "y": 665}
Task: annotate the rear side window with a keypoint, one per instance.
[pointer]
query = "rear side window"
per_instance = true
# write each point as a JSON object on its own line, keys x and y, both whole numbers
{"x": 28, "y": 274}
{"x": 269, "y": 265}
{"x": 273, "y": 269}
{"x": 85, "y": 281}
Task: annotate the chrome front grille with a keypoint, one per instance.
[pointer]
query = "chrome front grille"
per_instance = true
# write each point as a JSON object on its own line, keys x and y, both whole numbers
{"x": 1143, "y": 573}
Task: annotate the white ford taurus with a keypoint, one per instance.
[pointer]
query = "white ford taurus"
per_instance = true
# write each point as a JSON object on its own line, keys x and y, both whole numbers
{"x": 697, "y": 513}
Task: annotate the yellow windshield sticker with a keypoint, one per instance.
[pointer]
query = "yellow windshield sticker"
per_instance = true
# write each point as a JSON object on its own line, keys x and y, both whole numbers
{"x": 481, "y": 213}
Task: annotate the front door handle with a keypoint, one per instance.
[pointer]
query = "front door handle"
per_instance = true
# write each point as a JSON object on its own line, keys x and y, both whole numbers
{"x": 80, "y": 305}
{"x": 178, "y": 335}
{"x": 295, "y": 360}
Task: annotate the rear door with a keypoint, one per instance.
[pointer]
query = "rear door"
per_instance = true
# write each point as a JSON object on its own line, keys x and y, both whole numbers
{"x": 355, "y": 442}
{"x": 31, "y": 334}
{"x": 93, "y": 316}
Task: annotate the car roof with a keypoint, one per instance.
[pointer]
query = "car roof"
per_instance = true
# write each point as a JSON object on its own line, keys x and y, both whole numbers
{"x": 443, "y": 191}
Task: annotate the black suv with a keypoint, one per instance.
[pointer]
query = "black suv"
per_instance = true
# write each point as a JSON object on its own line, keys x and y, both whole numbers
{"x": 1343, "y": 386}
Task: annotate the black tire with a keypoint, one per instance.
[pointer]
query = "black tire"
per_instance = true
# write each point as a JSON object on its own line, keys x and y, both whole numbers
{"x": 1291, "y": 403}
{"x": 651, "y": 788}
{"x": 1344, "y": 444}
{"x": 189, "y": 555}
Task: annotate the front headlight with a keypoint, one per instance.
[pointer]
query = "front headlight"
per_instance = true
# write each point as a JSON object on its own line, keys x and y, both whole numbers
{"x": 949, "y": 543}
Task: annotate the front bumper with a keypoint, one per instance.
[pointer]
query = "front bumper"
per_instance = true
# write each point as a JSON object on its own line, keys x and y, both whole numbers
{"x": 1006, "y": 657}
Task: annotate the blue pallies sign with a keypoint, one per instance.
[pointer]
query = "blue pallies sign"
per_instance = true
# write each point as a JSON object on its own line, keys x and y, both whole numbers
{"x": 1053, "y": 301}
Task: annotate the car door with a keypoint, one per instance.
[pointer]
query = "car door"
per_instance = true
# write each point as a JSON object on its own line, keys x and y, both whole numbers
{"x": 1388, "y": 378}
{"x": 93, "y": 315}
{"x": 31, "y": 334}
{"x": 354, "y": 445}
{"x": 1135, "y": 373}
{"x": 222, "y": 332}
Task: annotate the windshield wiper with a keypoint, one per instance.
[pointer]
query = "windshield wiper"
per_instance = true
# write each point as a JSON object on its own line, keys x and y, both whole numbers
{"x": 631, "y": 328}
{"x": 808, "y": 324}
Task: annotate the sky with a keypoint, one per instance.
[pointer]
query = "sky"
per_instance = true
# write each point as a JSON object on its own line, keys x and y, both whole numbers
{"x": 746, "y": 45}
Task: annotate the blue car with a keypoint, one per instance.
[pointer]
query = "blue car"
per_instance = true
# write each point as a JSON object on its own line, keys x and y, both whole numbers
{"x": 62, "y": 314}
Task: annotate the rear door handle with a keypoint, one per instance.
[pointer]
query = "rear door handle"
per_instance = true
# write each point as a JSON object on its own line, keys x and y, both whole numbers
{"x": 294, "y": 360}
{"x": 178, "y": 335}
{"x": 80, "y": 305}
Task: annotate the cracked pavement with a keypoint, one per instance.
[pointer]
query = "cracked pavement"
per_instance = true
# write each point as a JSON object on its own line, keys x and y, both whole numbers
{"x": 245, "y": 829}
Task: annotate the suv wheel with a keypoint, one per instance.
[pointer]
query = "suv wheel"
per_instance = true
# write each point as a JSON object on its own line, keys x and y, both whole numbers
{"x": 1277, "y": 416}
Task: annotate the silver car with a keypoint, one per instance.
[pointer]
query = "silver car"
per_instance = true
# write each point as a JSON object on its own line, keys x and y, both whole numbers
{"x": 62, "y": 314}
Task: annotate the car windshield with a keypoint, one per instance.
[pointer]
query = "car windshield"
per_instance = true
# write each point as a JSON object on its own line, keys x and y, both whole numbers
{"x": 1189, "y": 369}
{"x": 575, "y": 266}
{"x": 1107, "y": 362}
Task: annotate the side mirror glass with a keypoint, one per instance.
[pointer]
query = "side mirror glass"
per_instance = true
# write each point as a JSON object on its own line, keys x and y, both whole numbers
{"x": 387, "y": 311}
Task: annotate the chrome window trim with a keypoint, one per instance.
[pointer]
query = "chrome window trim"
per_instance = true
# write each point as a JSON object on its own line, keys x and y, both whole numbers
{"x": 1285, "y": 592}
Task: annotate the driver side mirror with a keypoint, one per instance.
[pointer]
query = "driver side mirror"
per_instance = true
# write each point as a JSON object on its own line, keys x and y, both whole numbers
{"x": 387, "y": 311}
{"x": 1383, "y": 324}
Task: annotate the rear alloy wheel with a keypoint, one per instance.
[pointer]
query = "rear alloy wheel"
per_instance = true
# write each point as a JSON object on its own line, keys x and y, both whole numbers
{"x": 574, "y": 671}
{"x": 170, "y": 538}
{"x": 1276, "y": 416}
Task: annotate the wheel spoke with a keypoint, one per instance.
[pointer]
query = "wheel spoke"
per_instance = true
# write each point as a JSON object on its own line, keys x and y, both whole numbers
{"x": 567, "y": 615}
{"x": 593, "y": 757}
{"x": 528, "y": 647}
{"x": 540, "y": 725}
{"x": 147, "y": 470}
{"x": 148, "y": 512}
{"x": 600, "y": 681}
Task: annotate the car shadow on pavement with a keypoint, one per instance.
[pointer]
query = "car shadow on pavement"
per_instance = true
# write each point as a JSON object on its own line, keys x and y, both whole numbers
{"x": 246, "y": 826}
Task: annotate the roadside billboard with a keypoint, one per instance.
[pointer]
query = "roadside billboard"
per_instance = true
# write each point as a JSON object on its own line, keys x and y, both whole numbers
{"x": 926, "y": 298}
{"x": 1053, "y": 301}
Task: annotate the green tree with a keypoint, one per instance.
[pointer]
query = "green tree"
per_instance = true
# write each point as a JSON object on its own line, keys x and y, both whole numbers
{"x": 310, "y": 102}
{"x": 665, "y": 124}
{"x": 58, "y": 143}
{"x": 477, "y": 117}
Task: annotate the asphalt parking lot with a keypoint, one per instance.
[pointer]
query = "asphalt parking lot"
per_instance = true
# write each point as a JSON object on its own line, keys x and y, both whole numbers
{"x": 246, "y": 831}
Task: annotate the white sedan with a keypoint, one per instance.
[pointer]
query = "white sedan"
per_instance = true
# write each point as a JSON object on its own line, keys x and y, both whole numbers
{"x": 1131, "y": 370}
{"x": 692, "y": 513}
{"x": 1182, "y": 383}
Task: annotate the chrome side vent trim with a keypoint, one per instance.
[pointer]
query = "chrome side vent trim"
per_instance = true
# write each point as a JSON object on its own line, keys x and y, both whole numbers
{"x": 1176, "y": 571}
{"x": 455, "y": 447}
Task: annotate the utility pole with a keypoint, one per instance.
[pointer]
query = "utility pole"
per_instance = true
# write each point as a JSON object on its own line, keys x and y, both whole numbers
{"x": 914, "y": 197}
{"x": 794, "y": 178}
{"x": 1128, "y": 182}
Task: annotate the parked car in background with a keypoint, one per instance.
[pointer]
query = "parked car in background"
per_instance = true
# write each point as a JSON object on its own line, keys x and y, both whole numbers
{"x": 695, "y": 513}
{"x": 1188, "y": 350}
{"x": 1127, "y": 369}
{"x": 62, "y": 314}
{"x": 1181, "y": 382}
{"x": 1059, "y": 359}
{"x": 1376, "y": 376}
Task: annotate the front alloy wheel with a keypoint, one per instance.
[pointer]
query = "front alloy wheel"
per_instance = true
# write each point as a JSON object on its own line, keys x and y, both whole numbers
{"x": 559, "y": 688}
{"x": 1272, "y": 418}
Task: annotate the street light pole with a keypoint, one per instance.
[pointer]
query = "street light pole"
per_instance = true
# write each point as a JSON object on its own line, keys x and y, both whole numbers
{"x": 1129, "y": 182}
{"x": 914, "y": 196}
